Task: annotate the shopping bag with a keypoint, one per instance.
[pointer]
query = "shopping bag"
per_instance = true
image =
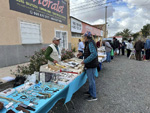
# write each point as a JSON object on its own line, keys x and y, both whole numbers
{"x": 117, "y": 51}
{"x": 112, "y": 52}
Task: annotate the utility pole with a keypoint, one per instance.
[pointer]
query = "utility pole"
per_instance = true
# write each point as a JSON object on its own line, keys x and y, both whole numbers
{"x": 105, "y": 22}
{"x": 105, "y": 30}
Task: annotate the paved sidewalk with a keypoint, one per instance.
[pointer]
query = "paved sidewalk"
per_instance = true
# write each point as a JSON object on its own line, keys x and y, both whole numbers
{"x": 5, "y": 73}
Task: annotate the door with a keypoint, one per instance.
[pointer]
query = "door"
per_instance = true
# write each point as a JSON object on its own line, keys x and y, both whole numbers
{"x": 63, "y": 36}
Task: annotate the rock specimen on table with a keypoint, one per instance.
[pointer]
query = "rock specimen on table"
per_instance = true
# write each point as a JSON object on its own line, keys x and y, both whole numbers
{"x": 1, "y": 105}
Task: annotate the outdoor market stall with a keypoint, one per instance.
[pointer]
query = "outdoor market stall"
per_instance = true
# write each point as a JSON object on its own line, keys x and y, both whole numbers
{"x": 101, "y": 54}
{"x": 66, "y": 79}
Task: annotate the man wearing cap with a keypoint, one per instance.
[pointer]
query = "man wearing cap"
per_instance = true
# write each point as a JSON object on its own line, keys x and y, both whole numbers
{"x": 91, "y": 63}
{"x": 53, "y": 53}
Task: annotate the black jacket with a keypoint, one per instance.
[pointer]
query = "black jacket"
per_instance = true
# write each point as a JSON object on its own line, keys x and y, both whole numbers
{"x": 139, "y": 45}
{"x": 94, "y": 63}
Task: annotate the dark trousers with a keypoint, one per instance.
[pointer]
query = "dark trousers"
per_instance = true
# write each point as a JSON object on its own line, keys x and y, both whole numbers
{"x": 119, "y": 51}
{"x": 122, "y": 51}
{"x": 147, "y": 54}
{"x": 128, "y": 52}
{"x": 138, "y": 55}
{"x": 81, "y": 57}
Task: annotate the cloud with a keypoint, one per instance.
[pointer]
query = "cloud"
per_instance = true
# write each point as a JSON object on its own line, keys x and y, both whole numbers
{"x": 131, "y": 14}
{"x": 91, "y": 12}
{"x": 144, "y": 4}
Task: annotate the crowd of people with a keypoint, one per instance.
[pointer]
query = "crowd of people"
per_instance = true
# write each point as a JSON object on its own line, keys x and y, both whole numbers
{"x": 140, "y": 49}
{"x": 115, "y": 48}
{"x": 88, "y": 49}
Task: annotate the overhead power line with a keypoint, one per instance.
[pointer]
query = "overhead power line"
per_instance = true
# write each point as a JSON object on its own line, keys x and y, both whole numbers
{"x": 94, "y": 1}
{"x": 87, "y": 11}
{"x": 85, "y": 2}
{"x": 86, "y": 5}
{"x": 92, "y": 6}
{"x": 95, "y": 6}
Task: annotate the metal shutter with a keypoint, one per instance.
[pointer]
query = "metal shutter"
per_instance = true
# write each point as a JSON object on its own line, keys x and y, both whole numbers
{"x": 30, "y": 33}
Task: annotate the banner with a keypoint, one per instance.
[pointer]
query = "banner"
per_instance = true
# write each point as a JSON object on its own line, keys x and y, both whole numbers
{"x": 93, "y": 30}
{"x": 54, "y": 10}
{"x": 76, "y": 26}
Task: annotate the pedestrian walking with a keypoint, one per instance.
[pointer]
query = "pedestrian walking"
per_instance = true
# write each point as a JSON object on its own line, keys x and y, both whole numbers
{"x": 91, "y": 63}
{"x": 129, "y": 48}
{"x": 138, "y": 49}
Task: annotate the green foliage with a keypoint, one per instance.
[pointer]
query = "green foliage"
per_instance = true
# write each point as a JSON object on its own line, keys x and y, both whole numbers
{"x": 67, "y": 54}
{"x": 146, "y": 30}
{"x": 35, "y": 62}
{"x": 125, "y": 34}
{"x": 74, "y": 49}
{"x": 118, "y": 34}
{"x": 135, "y": 35}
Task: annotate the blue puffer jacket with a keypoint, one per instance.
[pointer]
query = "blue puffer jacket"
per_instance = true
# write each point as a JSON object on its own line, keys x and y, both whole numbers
{"x": 147, "y": 44}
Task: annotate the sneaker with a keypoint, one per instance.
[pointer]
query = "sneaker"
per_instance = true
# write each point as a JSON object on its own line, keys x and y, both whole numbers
{"x": 87, "y": 93}
{"x": 90, "y": 98}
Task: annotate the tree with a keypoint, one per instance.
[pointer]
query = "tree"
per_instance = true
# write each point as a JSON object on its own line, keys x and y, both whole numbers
{"x": 135, "y": 35}
{"x": 146, "y": 30}
{"x": 118, "y": 34}
{"x": 125, "y": 34}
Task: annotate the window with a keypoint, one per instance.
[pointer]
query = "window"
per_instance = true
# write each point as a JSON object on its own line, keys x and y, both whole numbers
{"x": 30, "y": 33}
{"x": 76, "y": 35}
{"x": 63, "y": 36}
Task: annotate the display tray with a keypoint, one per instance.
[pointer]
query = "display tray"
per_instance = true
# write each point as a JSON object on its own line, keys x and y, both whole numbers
{"x": 102, "y": 56}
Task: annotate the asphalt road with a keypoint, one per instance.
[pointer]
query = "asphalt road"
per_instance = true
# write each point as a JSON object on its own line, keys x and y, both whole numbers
{"x": 122, "y": 87}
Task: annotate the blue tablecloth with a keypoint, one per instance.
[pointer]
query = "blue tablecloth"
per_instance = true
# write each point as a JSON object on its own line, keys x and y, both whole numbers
{"x": 46, "y": 105}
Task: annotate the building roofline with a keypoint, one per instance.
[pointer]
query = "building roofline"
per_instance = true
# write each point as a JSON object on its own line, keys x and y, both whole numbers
{"x": 98, "y": 24}
{"x": 83, "y": 22}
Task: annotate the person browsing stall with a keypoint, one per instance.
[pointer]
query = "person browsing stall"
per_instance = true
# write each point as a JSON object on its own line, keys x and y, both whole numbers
{"x": 91, "y": 63}
{"x": 80, "y": 46}
{"x": 81, "y": 49}
{"x": 108, "y": 49}
{"x": 53, "y": 53}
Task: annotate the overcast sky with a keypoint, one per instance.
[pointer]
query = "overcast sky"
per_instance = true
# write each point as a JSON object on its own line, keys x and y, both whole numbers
{"x": 122, "y": 14}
